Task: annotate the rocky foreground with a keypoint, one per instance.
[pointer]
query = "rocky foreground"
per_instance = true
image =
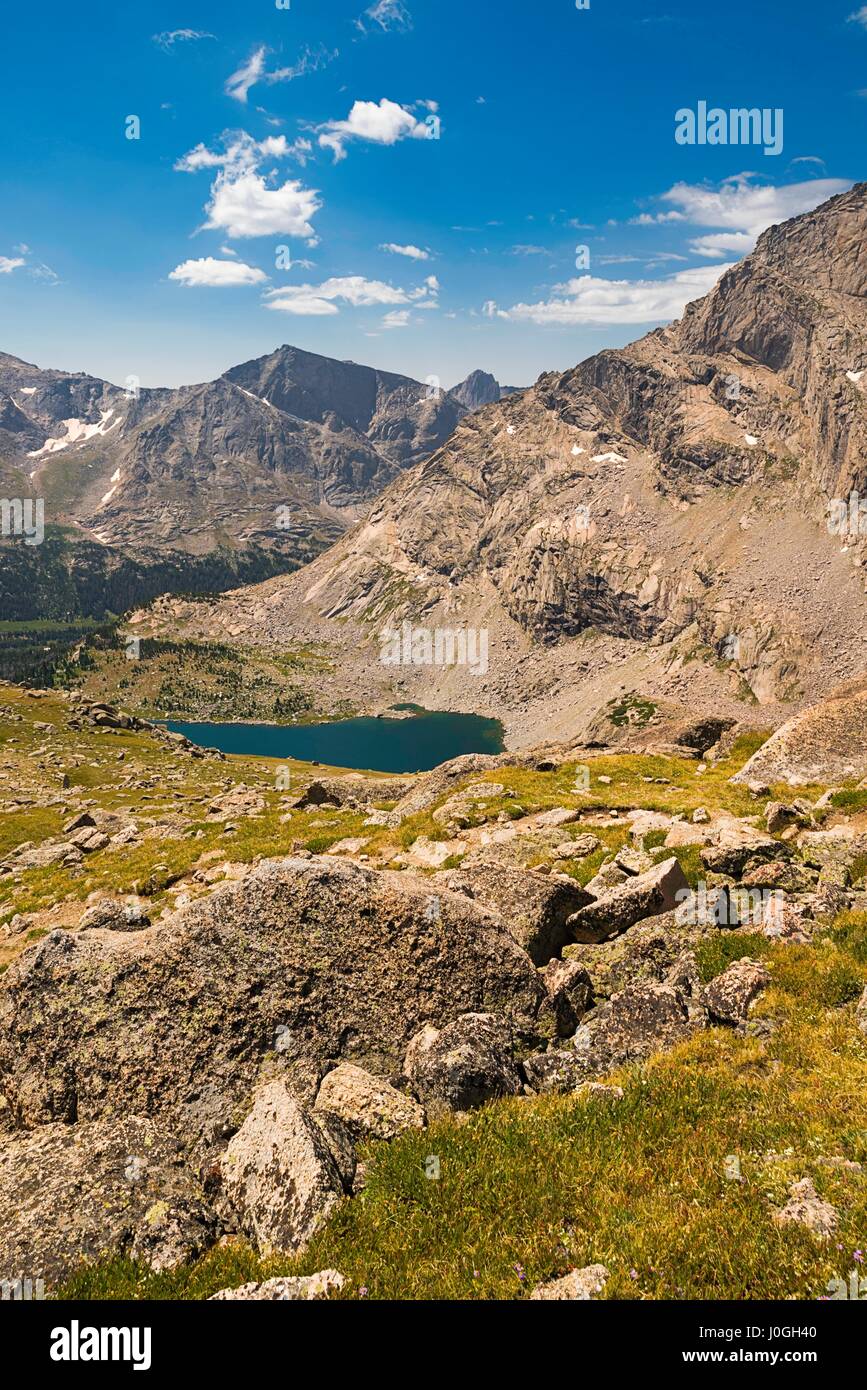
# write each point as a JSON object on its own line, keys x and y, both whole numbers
{"x": 250, "y": 1030}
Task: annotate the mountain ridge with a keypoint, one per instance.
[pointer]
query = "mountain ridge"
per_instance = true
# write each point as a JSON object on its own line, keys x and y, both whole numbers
{"x": 656, "y": 514}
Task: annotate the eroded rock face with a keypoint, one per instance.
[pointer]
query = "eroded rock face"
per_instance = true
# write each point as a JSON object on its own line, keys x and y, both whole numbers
{"x": 278, "y": 1173}
{"x": 70, "y": 1193}
{"x": 300, "y": 959}
{"x": 464, "y": 1064}
{"x": 370, "y": 1108}
{"x": 535, "y": 908}
{"x": 643, "y": 895}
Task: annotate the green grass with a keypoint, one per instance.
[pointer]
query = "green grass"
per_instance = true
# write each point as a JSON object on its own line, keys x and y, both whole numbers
{"x": 533, "y": 1186}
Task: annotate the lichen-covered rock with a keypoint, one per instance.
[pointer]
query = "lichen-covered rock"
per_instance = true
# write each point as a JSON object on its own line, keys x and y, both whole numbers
{"x": 861, "y": 1013}
{"x": 640, "y": 1020}
{"x": 111, "y": 914}
{"x": 534, "y": 907}
{"x": 464, "y": 1064}
{"x": 806, "y": 1208}
{"x": 312, "y": 959}
{"x": 556, "y": 1071}
{"x": 729, "y": 996}
{"x": 645, "y": 952}
{"x": 644, "y": 895}
{"x": 822, "y": 744}
{"x": 370, "y": 1108}
{"x": 578, "y": 1284}
{"x": 115, "y": 1187}
{"x": 298, "y": 1289}
{"x": 734, "y": 845}
{"x": 279, "y": 1176}
{"x": 570, "y": 990}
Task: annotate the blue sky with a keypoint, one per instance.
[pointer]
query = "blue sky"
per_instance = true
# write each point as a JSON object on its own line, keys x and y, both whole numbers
{"x": 312, "y": 128}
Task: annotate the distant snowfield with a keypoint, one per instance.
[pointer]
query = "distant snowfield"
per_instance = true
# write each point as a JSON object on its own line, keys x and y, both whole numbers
{"x": 77, "y": 432}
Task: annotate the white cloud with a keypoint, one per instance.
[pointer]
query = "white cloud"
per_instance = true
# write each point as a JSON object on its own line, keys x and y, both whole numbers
{"x": 590, "y": 299}
{"x": 168, "y": 39}
{"x": 381, "y": 123}
{"x": 245, "y": 206}
{"x": 247, "y": 75}
{"x": 398, "y": 318}
{"x": 254, "y": 71}
{"x": 414, "y": 253}
{"x": 243, "y": 202}
{"x": 210, "y": 271}
{"x": 859, "y": 17}
{"x": 354, "y": 290}
{"x": 742, "y": 206}
{"x": 717, "y": 244}
{"x": 10, "y": 263}
{"x": 388, "y": 14}
{"x": 647, "y": 219}
{"x": 240, "y": 151}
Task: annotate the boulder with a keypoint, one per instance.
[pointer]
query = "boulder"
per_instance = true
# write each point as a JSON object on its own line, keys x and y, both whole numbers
{"x": 295, "y": 1289}
{"x": 806, "y": 1208}
{"x": 643, "y": 953}
{"x": 729, "y": 996}
{"x": 464, "y": 1064}
{"x": 370, "y": 1108}
{"x": 579, "y": 1284}
{"x": 534, "y": 907}
{"x": 279, "y": 1177}
{"x": 644, "y": 895}
{"x": 823, "y": 744}
{"x": 569, "y": 991}
{"x": 111, "y": 914}
{"x": 640, "y": 1020}
{"x": 118, "y": 1187}
{"x": 735, "y": 845}
{"x": 313, "y": 959}
{"x": 556, "y": 1071}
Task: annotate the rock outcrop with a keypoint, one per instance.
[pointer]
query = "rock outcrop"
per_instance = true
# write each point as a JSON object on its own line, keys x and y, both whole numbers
{"x": 300, "y": 959}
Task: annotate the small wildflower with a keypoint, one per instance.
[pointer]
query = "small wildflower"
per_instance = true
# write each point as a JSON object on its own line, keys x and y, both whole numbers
{"x": 362, "y": 1292}
{"x": 859, "y": 1256}
{"x": 633, "y": 1273}
{"x": 519, "y": 1270}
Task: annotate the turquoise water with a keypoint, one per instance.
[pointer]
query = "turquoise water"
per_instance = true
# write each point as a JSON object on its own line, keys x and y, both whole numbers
{"x": 382, "y": 745}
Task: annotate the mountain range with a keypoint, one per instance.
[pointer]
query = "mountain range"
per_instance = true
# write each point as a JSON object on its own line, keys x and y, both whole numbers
{"x": 659, "y": 517}
{"x": 253, "y": 473}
